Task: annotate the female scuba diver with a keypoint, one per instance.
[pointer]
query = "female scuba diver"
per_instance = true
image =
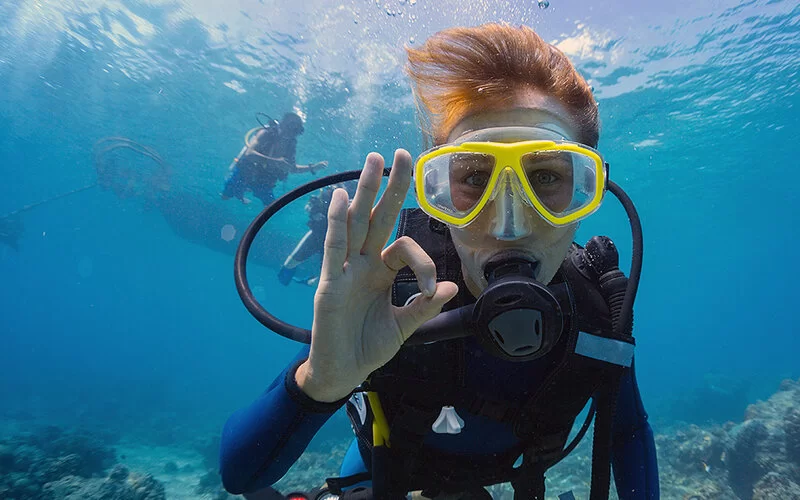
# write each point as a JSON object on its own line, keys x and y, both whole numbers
{"x": 534, "y": 326}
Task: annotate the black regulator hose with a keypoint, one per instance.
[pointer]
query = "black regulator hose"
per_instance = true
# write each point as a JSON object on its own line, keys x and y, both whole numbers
{"x": 621, "y": 319}
{"x": 269, "y": 119}
{"x": 632, "y": 289}
{"x": 303, "y": 335}
{"x": 240, "y": 260}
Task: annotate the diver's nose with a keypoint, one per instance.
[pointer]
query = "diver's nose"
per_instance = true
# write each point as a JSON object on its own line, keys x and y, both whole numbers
{"x": 510, "y": 222}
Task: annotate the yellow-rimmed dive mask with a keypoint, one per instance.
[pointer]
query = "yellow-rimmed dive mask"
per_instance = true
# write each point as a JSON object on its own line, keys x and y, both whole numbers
{"x": 511, "y": 168}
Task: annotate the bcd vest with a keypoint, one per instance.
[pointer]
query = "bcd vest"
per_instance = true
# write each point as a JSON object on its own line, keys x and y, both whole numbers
{"x": 420, "y": 380}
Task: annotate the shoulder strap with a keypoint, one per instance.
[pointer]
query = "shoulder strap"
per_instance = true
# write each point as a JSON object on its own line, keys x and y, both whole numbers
{"x": 596, "y": 356}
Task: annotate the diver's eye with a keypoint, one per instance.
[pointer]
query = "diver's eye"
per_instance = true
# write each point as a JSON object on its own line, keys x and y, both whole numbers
{"x": 544, "y": 177}
{"x": 472, "y": 170}
{"x": 477, "y": 179}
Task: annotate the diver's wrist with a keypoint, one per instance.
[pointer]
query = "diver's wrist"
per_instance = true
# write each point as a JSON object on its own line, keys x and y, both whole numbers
{"x": 316, "y": 391}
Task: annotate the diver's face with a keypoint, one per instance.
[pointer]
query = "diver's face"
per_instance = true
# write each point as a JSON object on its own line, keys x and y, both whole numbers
{"x": 291, "y": 127}
{"x": 479, "y": 241}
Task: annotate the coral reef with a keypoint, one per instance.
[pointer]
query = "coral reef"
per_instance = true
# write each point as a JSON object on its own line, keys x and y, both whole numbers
{"x": 753, "y": 459}
{"x": 119, "y": 485}
{"x": 757, "y": 458}
{"x": 696, "y": 450}
{"x": 791, "y": 427}
{"x": 744, "y": 466}
{"x": 760, "y": 451}
{"x": 54, "y": 451}
{"x": 53, "y": 464}
{"x": 210, "y": 486}
{"x": 145, "y": 487}
{"x": 773, "y": 486}
{"x": 313, "y": 467}
{"x": 691, "y": 464}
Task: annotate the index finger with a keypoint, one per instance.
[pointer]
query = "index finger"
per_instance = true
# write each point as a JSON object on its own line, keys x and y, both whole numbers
{"x": 385, "y": 212}
{"x": 335, "y": 254}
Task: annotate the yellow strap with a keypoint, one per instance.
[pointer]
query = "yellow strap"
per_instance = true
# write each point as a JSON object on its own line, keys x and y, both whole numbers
{"x": 380, "y": 428}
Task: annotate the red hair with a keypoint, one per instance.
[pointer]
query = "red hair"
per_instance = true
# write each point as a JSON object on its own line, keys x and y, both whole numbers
{"x": 461, "y": 70}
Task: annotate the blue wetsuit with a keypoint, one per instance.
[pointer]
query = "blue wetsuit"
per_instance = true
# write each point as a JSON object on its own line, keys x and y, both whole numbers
{"x": 261, "y": 441}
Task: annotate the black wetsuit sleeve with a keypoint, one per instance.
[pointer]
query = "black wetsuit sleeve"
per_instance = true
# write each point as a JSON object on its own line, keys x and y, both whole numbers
{"x": 261, "y": 441}
{"x": 634, "y": 450}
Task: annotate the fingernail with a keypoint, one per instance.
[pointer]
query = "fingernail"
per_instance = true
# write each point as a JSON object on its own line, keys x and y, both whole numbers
{"x": 430, "y": 287}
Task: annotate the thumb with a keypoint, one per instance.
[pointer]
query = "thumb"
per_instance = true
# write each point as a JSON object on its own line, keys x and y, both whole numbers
{"x": 422, "y": 308}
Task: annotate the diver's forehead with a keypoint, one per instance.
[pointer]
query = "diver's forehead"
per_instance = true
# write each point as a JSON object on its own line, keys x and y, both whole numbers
{"x": 511, "y": 134}
{"x": 541, "y": 123}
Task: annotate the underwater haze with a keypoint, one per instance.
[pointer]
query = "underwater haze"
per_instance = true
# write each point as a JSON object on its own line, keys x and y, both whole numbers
{"x": 119, "y": 318}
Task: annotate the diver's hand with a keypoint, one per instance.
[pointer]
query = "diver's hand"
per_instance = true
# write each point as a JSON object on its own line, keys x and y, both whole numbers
{"x": 356, "y": 328}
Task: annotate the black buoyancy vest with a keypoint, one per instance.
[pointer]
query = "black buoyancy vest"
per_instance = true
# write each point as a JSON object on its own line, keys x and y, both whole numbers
{"x": 415, "y": 385}
{"x": 266, "y": 139}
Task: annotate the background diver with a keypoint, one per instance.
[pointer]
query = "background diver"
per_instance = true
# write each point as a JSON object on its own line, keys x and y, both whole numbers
{"x": 312, "y": 242}
{"x": 267, "y": 157}
{"x": 513, "y": 171}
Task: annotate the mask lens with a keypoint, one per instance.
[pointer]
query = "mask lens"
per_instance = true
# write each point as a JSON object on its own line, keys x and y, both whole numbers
{"x": 559, "y": 179}
{"x": 563, "y": 181}
{"x": 456, "y": 182}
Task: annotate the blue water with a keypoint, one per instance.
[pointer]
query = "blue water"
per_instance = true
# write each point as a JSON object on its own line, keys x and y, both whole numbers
{"x": 107, "y": 315}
